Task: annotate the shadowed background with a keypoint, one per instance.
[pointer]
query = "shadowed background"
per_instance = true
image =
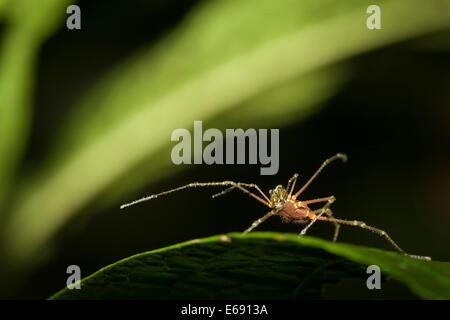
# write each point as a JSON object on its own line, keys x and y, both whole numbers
{"x": 387, "y": 108}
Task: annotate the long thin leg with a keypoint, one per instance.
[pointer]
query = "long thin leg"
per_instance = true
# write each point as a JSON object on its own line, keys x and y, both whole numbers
{"x": 341, "y": 156}
{"x": 322, "y": 211}
{"x": 328, "y": 212}
{"x": 337, "y": 226}
{"x": 260, "y": 220}
{"x": 292, "y": 180}
{"x": 332, "y": 198}
{"x": 380, "y": 232}
{"x": 198, "y": 184}
{"x": 248, "y": 185}
{"x": 221, "y": 193}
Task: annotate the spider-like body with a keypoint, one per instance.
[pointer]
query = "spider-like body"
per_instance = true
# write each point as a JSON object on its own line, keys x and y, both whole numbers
{"x": 289, "y": 210}
{"x": 284, "y": 203}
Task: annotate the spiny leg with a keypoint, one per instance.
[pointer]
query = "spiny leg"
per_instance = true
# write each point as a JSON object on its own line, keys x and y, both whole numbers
{"x": 341, "y": 156}
{"x": 194, "y": 185}
{"x": 328, "y": 212}
{"x": 292, "y": 180}
{"x": 240, "y": 185}
{"x": 260, "y": 220}
{"x": 337, "y": 226}
{"x": 223, "y": 192}
{"x": 330, "y": 200}
{"x": 326, "y": 199}
{"x": 380, "y": 232}
{"x": 248, "y": 185}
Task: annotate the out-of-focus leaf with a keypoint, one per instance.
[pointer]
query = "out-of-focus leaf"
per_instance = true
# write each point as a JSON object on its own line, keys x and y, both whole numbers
{"x": 27, "y": 24}
{"x": 255, "y": 266}
{"x": 2, "y": 8}
{"x": 224, "y": 54}
{"x": 289, "y": 102}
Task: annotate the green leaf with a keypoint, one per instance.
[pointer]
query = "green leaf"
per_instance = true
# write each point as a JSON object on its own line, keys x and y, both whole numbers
{"x": 225, "y": 54}
{"x": 260, "y": 265}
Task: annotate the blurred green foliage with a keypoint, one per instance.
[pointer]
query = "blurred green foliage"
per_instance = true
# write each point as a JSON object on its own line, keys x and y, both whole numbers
{"x": 27, "y": 24}
{"x": 249, "y": 61}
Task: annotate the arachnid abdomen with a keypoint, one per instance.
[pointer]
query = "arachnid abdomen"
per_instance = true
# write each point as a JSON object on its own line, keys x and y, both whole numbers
{"x": 294, "y": 213}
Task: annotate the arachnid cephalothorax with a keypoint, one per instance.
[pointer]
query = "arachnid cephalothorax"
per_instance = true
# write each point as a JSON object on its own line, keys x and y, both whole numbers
{"x": 284, "y": 203}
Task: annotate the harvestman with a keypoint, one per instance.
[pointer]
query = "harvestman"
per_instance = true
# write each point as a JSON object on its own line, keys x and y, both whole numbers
{"x": 287, "y": 206}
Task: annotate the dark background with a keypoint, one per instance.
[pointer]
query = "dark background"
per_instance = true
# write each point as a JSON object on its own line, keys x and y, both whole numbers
{"x": 391, "y": 118}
